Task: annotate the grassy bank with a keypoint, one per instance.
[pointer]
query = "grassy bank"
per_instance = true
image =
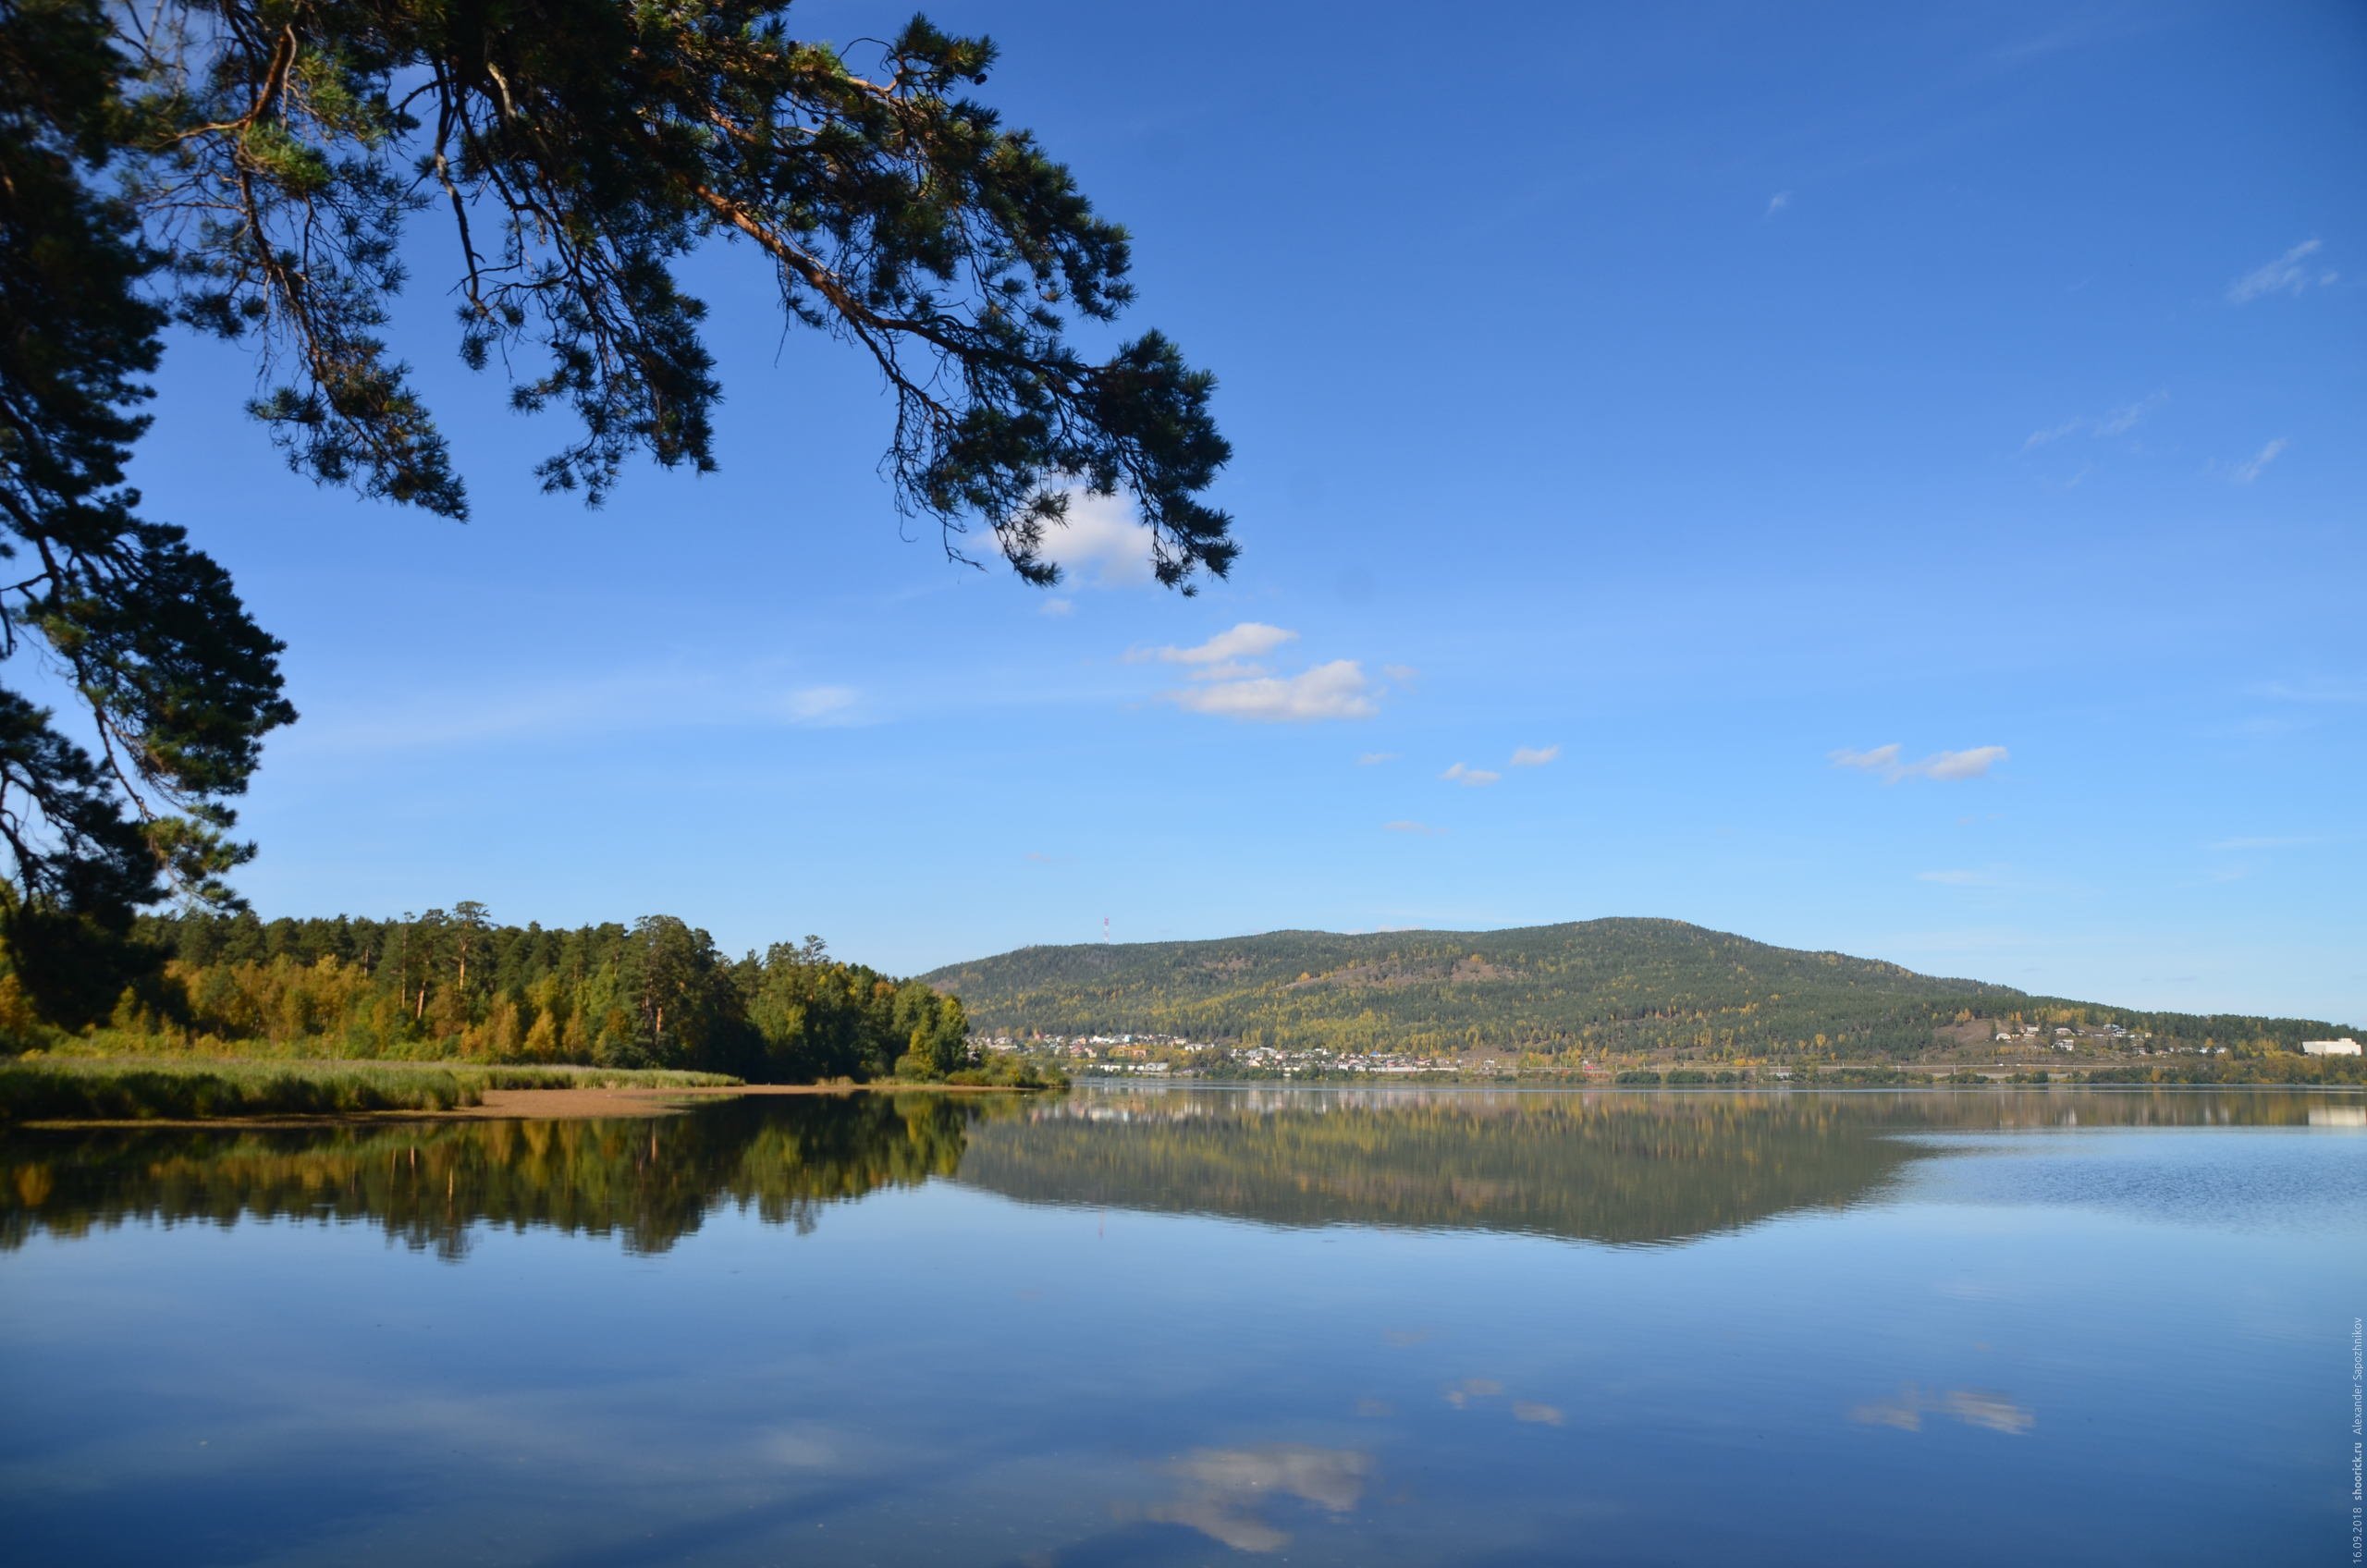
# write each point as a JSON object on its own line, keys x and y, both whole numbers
{"x": 142, "y": 1089}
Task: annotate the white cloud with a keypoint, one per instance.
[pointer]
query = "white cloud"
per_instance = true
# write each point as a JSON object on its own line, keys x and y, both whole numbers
{"x": 1101, "y": 542}
{"x": 1338, "y": 690}
{"x": 624, "y": 702}
{"x": 1534, "y": 756}
{"x": 1373, "y": 759}
{"x": 818, "y": 705}
{"x": 1422, "y": 829}
{"x": 2313, "y": 691}
{"x": 2118, "y": 421}
{"x": 2286, "y": 275}
{"x": 1470, "y": 778}
{"x": 1401, "y": 673}
{"x": 1249, "y": 640}
{"x": 1059, "y": 607}
{"x": 1229, "y": 681}
{"x": 1971, "y": 763}
{"x": 2252, "y": 468}
{"x": 1884, "y": 758}
{"x": 1778, "y": 202}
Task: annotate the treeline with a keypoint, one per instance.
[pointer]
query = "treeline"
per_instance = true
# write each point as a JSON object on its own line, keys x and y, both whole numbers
{"x": 2244, "y": 1066}
{"x": 1554, "y": 993}
{"x": 455, "y": 985}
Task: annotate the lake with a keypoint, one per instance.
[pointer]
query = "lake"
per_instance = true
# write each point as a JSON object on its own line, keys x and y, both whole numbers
{"x": 1188, "y": 1324}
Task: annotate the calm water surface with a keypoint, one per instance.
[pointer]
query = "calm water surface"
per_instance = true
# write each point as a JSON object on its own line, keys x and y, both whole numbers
{"x": 1193, "y": 1325}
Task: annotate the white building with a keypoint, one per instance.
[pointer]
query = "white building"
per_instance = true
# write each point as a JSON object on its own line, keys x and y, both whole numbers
{"x": 2344, "y": 1047}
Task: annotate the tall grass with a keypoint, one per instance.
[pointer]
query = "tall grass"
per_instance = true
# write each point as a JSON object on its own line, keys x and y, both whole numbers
{"x": 98, "y": 1089}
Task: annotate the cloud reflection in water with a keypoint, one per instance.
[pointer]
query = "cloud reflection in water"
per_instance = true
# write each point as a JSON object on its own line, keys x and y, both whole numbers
{"x": 1226, "y": 1490}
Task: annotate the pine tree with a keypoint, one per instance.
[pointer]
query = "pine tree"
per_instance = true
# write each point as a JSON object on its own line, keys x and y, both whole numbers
{"x": 247, "y": 169}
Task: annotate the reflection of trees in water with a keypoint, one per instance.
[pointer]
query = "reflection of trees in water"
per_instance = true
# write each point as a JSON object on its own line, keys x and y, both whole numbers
{"x": 1632, "y": 1168}
{"x": 1605, "y": 1167}
{"x": 651, "y": 1181}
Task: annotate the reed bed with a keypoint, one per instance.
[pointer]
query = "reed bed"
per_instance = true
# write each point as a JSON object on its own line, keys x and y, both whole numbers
{"x": 118, "y": 1089}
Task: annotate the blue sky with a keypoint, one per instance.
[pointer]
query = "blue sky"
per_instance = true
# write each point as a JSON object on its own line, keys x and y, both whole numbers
{"x": 1883, "y": 478}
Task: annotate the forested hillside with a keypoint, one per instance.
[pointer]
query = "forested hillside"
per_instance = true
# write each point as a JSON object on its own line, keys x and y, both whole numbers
{"x": 455, "y": 985}
{"x": 1591, "y": 987}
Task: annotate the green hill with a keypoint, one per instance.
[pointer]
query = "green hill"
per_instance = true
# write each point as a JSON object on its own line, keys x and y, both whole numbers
{"x": 1588, "y": 987}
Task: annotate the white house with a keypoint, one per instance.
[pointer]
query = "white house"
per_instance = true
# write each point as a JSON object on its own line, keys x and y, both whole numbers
{"x": 2344, "y": 1047}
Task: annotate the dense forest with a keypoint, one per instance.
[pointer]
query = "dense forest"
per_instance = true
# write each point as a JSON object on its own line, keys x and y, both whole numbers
{"x": 454, "y": 984}
{"x": 1591, "y": 989}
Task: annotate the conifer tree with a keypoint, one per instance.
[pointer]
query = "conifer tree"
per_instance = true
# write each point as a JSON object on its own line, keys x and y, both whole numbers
{"x": 247, "y": 168}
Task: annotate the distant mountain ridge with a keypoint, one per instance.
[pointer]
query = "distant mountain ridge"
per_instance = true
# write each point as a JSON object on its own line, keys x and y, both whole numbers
{"x": 1614, "y": 984}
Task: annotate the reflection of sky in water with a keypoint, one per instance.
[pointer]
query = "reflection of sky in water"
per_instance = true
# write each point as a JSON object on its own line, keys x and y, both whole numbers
{"x": 2009, "y": 1339}
{"x": 2307, "y": 1182}
{"x": 1227, "y": 1494}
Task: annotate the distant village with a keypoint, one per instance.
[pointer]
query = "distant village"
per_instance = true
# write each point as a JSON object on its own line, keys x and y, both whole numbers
{"x": 2068, "y": 1038}
{"x": 1160, "y": 1055}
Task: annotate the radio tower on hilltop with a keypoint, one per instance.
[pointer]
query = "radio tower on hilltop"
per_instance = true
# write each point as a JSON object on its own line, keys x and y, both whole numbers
{"x": 1105, "y": 927}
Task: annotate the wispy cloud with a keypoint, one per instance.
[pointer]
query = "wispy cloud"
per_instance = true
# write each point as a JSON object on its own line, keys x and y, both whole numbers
{"x": 2242, "y": 844}
{"x": 1470, "y": 778}
{"x": 1534, "y": 756}
{"x": 1880, "y": 759}
{"x": 1250, "y": 639}
{"x": 1374, "y": 759}
{"x": 1887, "y": 760}
{"x": 1969, "y": 764}
{"x": 2115, "y": 422}
{"x": 622, "y": 703}
{"x": 818, "y": 705}
{"x": 1778, "y": 203}
{"x": 2252, "y": 466}
{"x": 2289, "y": 274}
{"x": 2121, "y": 420}
{"x": 2312, "y": 690}
{"x": 1403, "y": 674}
{"x": 1335, "y": 690}
{"x": 1959, "y": 879}
{"x": 1422, "y": 829}
{"x": 1058, "y": 607}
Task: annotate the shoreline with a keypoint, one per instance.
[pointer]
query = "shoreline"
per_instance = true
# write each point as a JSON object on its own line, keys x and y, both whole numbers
{"x": 623, "y": 1102}
{"x": 565, "y": 1104}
